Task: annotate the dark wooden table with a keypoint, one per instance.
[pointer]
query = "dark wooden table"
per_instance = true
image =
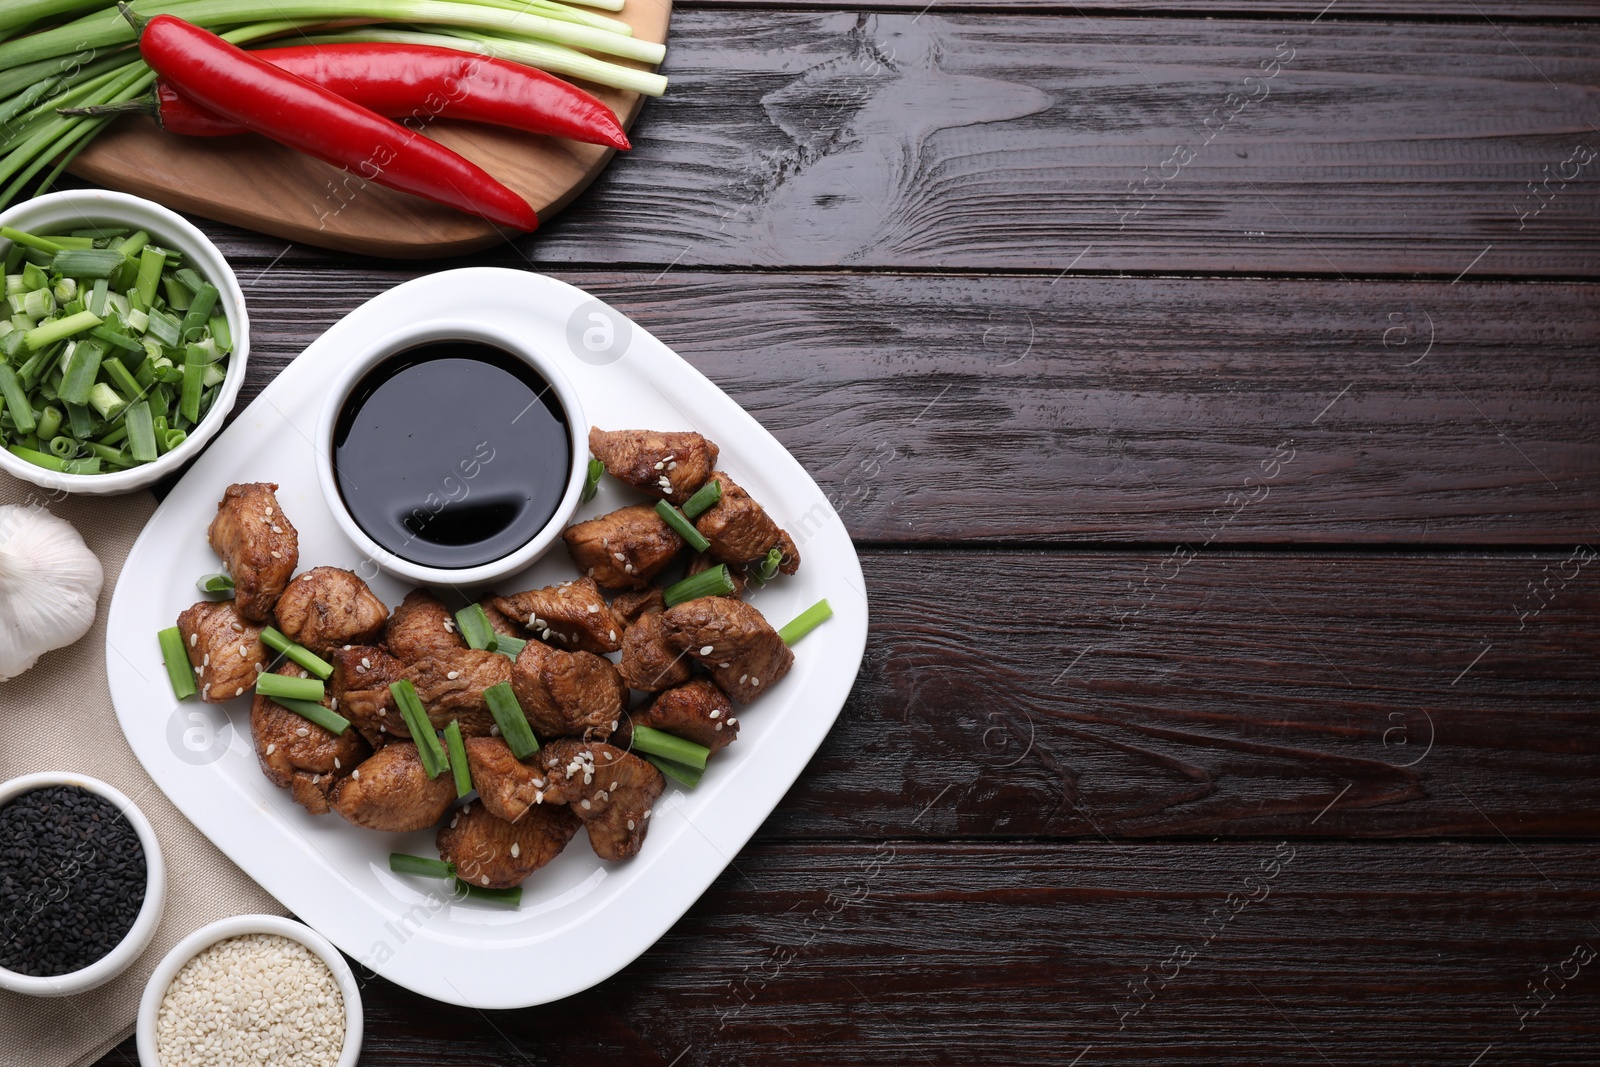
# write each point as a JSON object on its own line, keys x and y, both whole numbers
{"x": 1212, "y": 395}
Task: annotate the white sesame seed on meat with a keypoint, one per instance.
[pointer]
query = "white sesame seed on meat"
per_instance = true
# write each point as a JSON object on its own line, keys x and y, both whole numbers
{"x": 452, "y": 675}
{"x": 192, "y": 639}
{"x": 271, "y": 749}
{"x": 706, "y": 650}
{"x": 516, "y": 850}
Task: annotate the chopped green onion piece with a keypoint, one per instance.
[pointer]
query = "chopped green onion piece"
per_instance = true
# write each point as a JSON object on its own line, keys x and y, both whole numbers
{"x": 97, "y": 299}
{"x": 713, "y": 582}
{"x": 281, "y": 685}
{"x": 113, "y": 335}
{"x": 141, "y": 431}
{"x": 458, "y": 758}
{"x": 221, "y": 333}
{"x": 684, "y": 776}
{"x": 667, "y": 746}
{"x": 161, "y": 326}
{"x": 473, "y": 622}
{"x": 124, "y": 382}
{"x": 105, "y": 400}
{"x": 400, "y": 863}
{"x": 703, "y": 498}
{"x": 87, "y": 262}
{"x": 194, "y": 368}
{"x": 116, "y": 457}
{"x": 511, "y": 898}
{"x": 685, "y": 529}
{"x": 28, "y": 240}
{"x": 49, "y": 422}
{"x": 508, "y": 645}
{"x": 151, "y": 262}
{"x": 805, "y": 622}
{"x": 509, "y": 717}
{"x": 220, "y": 583}
{"x": 275, "y": 640}
{"x": 37, "y": 458}
{"x": 591, "y": 481}
{"x": 314, "y": 711}
{"x": 60, "y": 329}
{"x": 199, "y": 313}
{"x": 768, "y": 567}
{"x": 411, "y": 710}
{"x": 175, "y": 438}
{"x": 86, "y": 465}
{"x": 178, "y": 298}
{"x": 63, "y": 447}
{"x": 176, "y": 656}
{"x": 16, "y": 399}
{"x": 190, "y": 280}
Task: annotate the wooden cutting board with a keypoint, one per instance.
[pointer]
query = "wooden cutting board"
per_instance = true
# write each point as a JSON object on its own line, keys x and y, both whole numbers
{"x": 252, "y": 182}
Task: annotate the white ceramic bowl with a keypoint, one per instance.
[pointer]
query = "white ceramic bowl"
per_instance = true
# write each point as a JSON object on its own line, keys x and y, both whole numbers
{"x": 236, "y": 926}
{"x": 451, "y": 330}
{"x": 78, "y": 208}
{"x": 117, "y": 960}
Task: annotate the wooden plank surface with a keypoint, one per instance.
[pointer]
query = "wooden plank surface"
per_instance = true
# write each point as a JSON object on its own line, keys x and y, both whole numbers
{"x": 1125, "y": 409}
{"x": 906, "y": 953}
{"x": 1497, "y": 11}
{"x": 252, "y": 182}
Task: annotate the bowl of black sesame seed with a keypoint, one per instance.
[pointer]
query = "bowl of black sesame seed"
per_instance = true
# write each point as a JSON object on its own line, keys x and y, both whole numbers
{"x": 82, "y": 883}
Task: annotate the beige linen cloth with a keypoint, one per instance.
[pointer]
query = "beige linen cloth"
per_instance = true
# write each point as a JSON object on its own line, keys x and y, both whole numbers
{"x": 58, "y": 716}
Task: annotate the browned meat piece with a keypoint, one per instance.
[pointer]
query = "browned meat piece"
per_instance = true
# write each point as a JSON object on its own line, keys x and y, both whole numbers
{"x": 648, "y": 661}
{"x": 258, "y": 545}
{"x": 299, "y": 755}
{"x": 490, "y": 852}
{"x": 669, "y": 466}
{"x": 421, "y": 626}
{"x": 629, "y": 608}
{"x": 390, "y": 791}
{"x": 225, "y": 651}
{"x": 572, "y": 615}
{"x": 360, "y": 691}
{"x": 451, "y": 684}
{"x": 733, "y": 641}
{"x": 623, "y": 549}
{"x": 612, "y": 791}
{"x": 696, "y": 711}
{"x": 327, "y": 607}
{"x": 702, "y": 561}
{"x": 568, "y": 693}
{"x": 507, "y": 785}
{"x": 740, "y": 530}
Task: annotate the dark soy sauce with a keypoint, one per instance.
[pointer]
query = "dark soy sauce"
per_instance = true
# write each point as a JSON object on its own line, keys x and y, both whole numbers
{"x": 452, "y": 454}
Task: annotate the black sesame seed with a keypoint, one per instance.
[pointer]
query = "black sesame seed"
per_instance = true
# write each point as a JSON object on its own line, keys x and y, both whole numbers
{"x": 72, "y": 880}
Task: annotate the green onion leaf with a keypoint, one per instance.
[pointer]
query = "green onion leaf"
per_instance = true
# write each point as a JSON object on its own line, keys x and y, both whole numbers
{"x": 684, "y": 776}
{"x": 411, "y": 710}
{"x": 713, "y": 582}
{"x": 591, "y": 481}
{"x": 685, "y": 529}
{"x": 805, "y": 622}
{"x": 667, "y": 746}
{"x": 508, "y": 715}
{"x": 511, "y": 898}
{"x": 703, "y": 498}
{"x": 508, "y": 645}
{"x": 473, "y": 622}
{"x": 141, "y": 431}
{"x": 176, "y": 657}
{"x": 400, "y": 863}
{"x": 458, "y": 758}
{"x": 281, "y": 685}
{"x": 275, "y": 640}
{"x": 222, "y": 583}
{"x": 312, "y": 710}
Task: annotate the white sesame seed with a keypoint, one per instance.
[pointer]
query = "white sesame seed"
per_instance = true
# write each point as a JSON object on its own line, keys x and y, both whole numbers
{"x": 594, "y": 609}
{"x": 743, "y": 678}
{"x": 239, "y": 692}
{"x": 627, "y": 568}
{"x": 516, "y": 850}
{"x": 453, "y": 675}
{"x": 631, "y": 824}
{"x": 356, "y": 773}
{"x": 586, "y": 805}
{"x": 304, "y": 731}
{"x": 660, "y": 465}
{"x": 485, "y": 879}
{"x": 276, "y": 554}
{"x": 192, "y": 639}
{"x": 206, "y": 662}
{"x": 366, "y": 661}
{"x": 382, "y": 712}
{"x": 269, "y": 511}
{"x": 494, "y": 731}
{"x": 755, "y": 681}
{"x": 335, "y": 703}
{"x": 719, "y": 725}
{"x": 706, "y": 650}
{"x": 382, "y": 729}
{"x": 454, "y": 821}
{"x": 715, "y": 714}
{"x": 732, "y": 721}
{"x": 271, "y": 749}
{"x": 336, "y": 763}
{"x": 612, "y": 634}
{"x": 199, "y": 670}
{"x": 724, "y": 665}
{"x": 276, "y": 528}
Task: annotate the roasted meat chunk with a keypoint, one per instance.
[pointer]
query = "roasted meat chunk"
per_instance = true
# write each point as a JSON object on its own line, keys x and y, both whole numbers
{"x": 507, "y": 786}
{"x": 612, "y": 791}
{"x": 225, "y": 651}
{"x": 258, "y": 546}
{"x": 360, "y": 691}
{"x": 740, "y": 531}
{"x": 499, "y": 621}
{"x": 490, "y": 852}
{"x": 390, "y": 791}
{"x": 696, "y": 711}
{"x": 299, "y": 755}
{"x": 451, "y": 684}
{"x": 629, "y": 608}
{"x": 568, "y": 693}
{"x": 648, "y": 661}
{"x": 733, "y": 641}
{"x": 572, "y": 615}
{"x": 327, "y": 607}
{"x": 623, "y": 549}
{"x": 670, "y": 466}
{"x": 421, "y": 626}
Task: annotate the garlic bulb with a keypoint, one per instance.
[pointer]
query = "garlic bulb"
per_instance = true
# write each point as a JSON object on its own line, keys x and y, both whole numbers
{"x": 49, "y": 582}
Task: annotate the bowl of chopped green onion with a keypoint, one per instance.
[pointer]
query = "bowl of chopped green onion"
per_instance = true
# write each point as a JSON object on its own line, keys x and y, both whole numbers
{"x": 123, "y": 341}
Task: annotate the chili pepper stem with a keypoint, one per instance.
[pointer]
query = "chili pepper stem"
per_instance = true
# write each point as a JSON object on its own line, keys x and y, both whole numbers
{"x": 142, "y": 105}
{"x": 135, "y": 19}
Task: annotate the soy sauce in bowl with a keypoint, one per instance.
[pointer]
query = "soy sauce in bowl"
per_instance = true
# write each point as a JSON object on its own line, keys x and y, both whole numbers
{"x": 452, "y": 454}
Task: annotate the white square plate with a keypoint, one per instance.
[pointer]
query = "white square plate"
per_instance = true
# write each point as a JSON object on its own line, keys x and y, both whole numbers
{"x": 581, "y": 919}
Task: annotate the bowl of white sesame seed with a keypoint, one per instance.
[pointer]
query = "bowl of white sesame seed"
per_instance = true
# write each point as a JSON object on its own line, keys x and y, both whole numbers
{"x": 257, "y": 989}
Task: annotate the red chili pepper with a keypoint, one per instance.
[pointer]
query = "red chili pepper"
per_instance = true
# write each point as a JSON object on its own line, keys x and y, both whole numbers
{"x": 288, "y": 109}
{"x": 413, "y": 83}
